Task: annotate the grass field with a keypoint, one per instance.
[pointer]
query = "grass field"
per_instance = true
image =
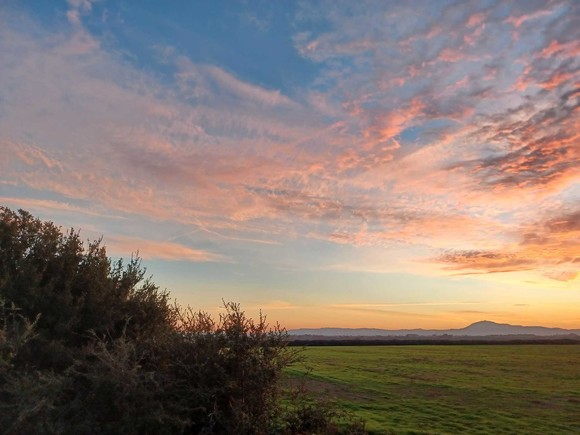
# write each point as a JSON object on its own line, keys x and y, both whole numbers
{"x": 527, "y": 389}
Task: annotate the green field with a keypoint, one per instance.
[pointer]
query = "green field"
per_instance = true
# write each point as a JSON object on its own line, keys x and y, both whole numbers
{"x": 527, "y": 389}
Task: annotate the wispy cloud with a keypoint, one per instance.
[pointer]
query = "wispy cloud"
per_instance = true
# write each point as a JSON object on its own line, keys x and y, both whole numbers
{"x": 404, "y": 304}
{"x": 162, "y": 250}
{"x": 551, "y": 246}
{"x": 427, "y": 125}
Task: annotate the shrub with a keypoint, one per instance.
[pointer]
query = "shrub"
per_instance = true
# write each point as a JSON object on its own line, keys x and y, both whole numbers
{"x": 76, "y": 290}
{"x": 106, "y": 351}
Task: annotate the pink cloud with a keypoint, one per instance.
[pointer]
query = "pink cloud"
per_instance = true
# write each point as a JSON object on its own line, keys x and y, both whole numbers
{"x": 161, "y": 250}
{"x": 239, "y": 161}
{"x": 450, "y": 55}
{"x": 476, "y": 19}
{"x": 556, "y": 49}
{"x": 388, "y": 125}
{"x": 552, "y": 246}
{"x": 55, "y": 207}
{"x": 472, "y": 38}
{"x": 229, "y": 82}
{"x": 557, "y": 79}
{"x": 517, "y": 21}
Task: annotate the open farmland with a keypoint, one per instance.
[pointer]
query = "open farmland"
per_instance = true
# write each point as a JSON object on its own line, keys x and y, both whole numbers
{"x": 531, "y": 389}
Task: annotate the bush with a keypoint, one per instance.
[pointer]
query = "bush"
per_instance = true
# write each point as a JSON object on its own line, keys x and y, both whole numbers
{"x": 306, "y": 413}
{"x": 90, "y": 346}
{"x": 76, "y": 290}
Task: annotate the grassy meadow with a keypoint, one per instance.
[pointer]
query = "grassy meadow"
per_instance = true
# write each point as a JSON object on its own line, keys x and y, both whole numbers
{"x": 484, "y": 389}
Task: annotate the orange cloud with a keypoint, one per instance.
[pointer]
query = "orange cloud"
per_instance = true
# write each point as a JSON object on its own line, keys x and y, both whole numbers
{"x": 536, "y": 145}
{"x": 519, "y": 20}
{"x": 237, "y": 161}
{"x": 552, "y": 246}
{"x": 476, "y": 19}
{"x": 388, "y": 125}
{"x": 450, "y": 55}
{"x": 557, "y": 79}
{"x": 556, "y": 49}
{"x": 149, "y": 249}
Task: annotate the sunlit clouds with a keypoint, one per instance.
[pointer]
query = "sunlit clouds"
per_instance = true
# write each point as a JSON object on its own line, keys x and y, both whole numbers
{"x": 405, "y": 140}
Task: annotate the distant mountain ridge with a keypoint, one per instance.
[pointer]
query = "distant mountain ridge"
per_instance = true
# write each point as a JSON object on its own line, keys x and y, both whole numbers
{"x": 478, "y": 329}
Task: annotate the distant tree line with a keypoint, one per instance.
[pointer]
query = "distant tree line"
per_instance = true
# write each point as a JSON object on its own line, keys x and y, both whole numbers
{"x": 369, "y": 341}
{"x": 89, "y": 345}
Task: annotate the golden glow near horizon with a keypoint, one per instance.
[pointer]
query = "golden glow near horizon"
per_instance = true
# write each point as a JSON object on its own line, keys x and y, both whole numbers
{"x": 383, "y": 165}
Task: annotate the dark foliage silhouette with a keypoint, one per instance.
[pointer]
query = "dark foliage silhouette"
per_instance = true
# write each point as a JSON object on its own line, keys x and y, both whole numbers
{"x": 91, "y": 346}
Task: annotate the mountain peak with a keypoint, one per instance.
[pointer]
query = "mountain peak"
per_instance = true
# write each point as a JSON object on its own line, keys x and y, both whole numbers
{"x": 484, "y": 323}
{"x": 477, "y": 329}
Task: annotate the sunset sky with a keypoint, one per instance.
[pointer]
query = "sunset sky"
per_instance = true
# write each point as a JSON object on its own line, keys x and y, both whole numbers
{"x": 389, "y": 164}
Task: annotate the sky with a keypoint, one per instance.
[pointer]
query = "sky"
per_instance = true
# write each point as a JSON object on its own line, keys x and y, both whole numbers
{"x": 386, "y": 164}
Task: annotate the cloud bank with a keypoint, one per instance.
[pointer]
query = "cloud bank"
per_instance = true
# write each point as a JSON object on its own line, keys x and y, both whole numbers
{"x": 446, "y": 127}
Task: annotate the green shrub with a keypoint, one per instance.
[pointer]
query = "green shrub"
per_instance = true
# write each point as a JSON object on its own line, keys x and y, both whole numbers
{"x": 106, "y": 351}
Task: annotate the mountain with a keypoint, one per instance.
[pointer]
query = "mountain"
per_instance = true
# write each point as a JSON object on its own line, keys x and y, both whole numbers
{"x": 491, "y": 328}
{"x": 477, "y": 329}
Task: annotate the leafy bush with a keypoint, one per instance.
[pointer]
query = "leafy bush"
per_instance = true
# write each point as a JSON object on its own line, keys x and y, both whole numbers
{"x": 74, "y": 289}
{"x": 106, "y": 351}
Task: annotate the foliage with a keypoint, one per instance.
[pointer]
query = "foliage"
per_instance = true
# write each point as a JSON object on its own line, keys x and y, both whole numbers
{"x": 73, "y": 289}
{"x": 306, "y": 414}
{"x": 15, "y": 331}
{"x": 106, "y": 351}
